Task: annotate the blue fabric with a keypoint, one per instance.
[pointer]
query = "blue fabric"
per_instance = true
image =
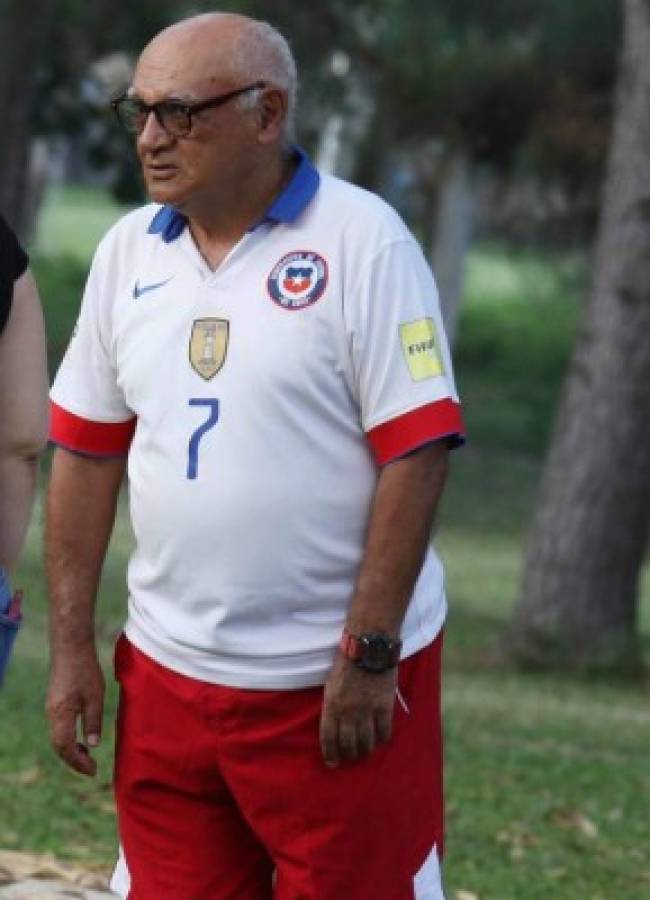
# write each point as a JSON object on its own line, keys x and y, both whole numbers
{"x": 170, "y": 223}
{"x": 297, "y": 194}
{"x": 5, "y": 591}
{"x": 8, "y": 626}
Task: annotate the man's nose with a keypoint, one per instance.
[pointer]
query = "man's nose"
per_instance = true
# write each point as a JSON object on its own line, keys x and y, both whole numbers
{"x": 153, "y": 135}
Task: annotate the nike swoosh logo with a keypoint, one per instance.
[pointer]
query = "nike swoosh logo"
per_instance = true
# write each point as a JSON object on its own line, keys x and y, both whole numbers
{"x": 139, "y": 291}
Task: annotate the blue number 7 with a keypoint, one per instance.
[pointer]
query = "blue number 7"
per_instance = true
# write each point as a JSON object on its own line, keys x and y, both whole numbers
{"x": 210, "y": 422}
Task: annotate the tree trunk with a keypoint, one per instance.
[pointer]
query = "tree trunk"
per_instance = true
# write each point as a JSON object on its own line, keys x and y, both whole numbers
{"x": 23, "y": 38}
{"x": 453, "y": 219}
{"x": 579, "y": 603}
{"x": 344, "y": 132}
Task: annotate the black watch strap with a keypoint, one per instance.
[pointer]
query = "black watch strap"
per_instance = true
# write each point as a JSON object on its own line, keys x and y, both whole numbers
{"x": 372, "y": 652}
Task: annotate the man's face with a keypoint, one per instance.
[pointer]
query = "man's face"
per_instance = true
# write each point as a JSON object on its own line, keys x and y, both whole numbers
{"x": 189, "y": 171}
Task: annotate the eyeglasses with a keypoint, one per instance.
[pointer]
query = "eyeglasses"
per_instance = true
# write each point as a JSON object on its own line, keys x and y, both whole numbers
{"x": 174, "y": 116}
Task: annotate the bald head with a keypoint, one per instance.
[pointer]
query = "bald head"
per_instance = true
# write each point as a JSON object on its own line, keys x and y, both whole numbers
{"x": 227, "y": 48}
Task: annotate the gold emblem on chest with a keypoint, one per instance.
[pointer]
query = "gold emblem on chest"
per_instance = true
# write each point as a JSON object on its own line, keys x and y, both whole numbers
{"x": 208, "y": 346}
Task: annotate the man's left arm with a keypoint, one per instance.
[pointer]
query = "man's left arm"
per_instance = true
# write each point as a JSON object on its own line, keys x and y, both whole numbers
{"x": 358, "y": 705}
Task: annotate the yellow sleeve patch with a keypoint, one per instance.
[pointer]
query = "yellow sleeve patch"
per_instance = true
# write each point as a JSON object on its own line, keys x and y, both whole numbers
{"x": 420, "y": 346}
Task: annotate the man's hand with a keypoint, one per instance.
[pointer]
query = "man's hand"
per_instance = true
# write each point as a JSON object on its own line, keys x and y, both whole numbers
{"x": 357, "y": 711}
{"x": 76, "y": 697}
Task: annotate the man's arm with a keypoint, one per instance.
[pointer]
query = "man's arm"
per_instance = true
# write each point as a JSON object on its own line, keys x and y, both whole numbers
{"x": 81, "y": 506}
{"x": 23, "y": 415}
{"x": 358, "y": 706}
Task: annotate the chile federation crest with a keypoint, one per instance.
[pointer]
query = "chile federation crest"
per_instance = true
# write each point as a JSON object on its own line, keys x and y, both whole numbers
{"x": 298, "y": 280}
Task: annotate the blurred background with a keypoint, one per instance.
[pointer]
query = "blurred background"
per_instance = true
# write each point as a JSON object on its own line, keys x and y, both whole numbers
{"x": 512, "y": 138}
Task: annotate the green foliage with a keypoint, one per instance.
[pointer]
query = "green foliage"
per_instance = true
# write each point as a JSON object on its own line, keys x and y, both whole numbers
{"x": 515, "y": 79}
{"x": 516, "y": 332}
{"x": 72, "y": 223}
{"x": 486, "y": 75}
{"x": 581, "y": 39}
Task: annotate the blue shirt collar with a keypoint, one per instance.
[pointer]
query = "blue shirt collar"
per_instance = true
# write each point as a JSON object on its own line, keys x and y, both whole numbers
{"x": 287, "y": 206}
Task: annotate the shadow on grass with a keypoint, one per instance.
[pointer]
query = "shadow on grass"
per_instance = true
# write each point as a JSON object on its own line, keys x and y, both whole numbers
{"x": 474, "y": 640}
{"x": 478, "y": 642}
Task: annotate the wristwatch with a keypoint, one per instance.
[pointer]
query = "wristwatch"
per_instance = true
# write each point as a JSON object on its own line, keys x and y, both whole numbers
{"x": 374, "y": 653}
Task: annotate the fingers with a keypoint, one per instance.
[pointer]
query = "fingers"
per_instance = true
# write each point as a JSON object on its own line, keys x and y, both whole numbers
{"x": 349, "y": 739}
{"x": 384, "y": 725}
{"x": 92, "y": 721}
{"x": 329, "y": 738}
{"x": 357, "y": 712}
{"x": 82, "y": 761}
{"x": 63, "y": 735}
{"x": 366, "y": 737}
{"x": 73, "y": 707}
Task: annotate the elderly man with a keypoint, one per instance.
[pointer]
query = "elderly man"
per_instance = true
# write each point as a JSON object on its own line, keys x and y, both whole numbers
{"x": 264, "y": 345}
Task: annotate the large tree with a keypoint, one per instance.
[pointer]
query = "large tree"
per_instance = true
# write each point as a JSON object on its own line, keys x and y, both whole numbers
{"x": 579, "y": 602}
{"x": 24, "y": 33}
{"x": 46, "y": 48}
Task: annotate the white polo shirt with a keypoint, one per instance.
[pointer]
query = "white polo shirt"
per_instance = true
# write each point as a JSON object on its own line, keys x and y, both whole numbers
{"x": 257, "y": 404}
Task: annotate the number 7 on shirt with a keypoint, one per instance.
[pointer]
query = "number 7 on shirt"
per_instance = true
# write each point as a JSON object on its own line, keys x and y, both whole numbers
{"x": 193, "y": 448}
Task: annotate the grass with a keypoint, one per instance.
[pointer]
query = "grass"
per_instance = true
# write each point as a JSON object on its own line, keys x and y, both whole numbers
{"x": 44, "y": 806}
{"x": 72, "y": 222}
{"x": 548, "y": 787}
{"x": 547, "y": 779}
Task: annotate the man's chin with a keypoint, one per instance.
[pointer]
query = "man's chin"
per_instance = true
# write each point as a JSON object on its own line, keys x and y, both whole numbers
{"x": 164, "y": 192}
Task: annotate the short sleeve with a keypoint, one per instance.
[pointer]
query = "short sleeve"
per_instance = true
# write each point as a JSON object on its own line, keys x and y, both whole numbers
{"x": 13, "y": 263}
{"x": 400, "y": 355}
{"x": 89, "y": 414}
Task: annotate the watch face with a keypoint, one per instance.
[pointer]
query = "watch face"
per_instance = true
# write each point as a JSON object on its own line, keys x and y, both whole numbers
{"x": 376, "y": 652}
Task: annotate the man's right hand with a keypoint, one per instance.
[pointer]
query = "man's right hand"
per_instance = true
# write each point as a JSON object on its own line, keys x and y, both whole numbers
{"x": 76, "y": 700}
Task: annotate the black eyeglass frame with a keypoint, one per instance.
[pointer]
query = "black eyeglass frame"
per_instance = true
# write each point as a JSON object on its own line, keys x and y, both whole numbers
{"x": 189, "y": 109}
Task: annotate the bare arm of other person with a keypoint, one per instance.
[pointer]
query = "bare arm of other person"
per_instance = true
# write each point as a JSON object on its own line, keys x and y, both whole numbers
{"x": 23, "y": 415}
{"x": 81, "y": 506}
{"x": 358, "y": 706}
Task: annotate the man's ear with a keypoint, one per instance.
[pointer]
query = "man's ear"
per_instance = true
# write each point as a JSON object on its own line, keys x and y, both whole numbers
{"x": 272, "y": 115}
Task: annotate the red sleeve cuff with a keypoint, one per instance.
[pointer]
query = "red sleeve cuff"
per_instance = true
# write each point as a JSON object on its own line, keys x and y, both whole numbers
{"x": 85, "y": 436}
{"x": 407, "y": 432}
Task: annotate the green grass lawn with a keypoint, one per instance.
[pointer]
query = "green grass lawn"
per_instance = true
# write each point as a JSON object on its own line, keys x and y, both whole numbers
{"x": 548, "y": 782}
{"x": 72, "y": 222}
